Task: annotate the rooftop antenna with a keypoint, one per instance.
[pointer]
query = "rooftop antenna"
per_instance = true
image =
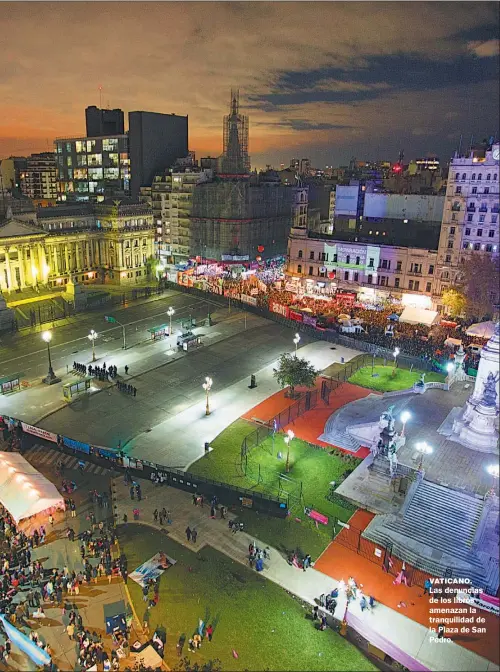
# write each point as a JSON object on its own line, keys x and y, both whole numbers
{"x": 100, "y": 96}
{"x": 471, "y": 141}
{"x": 460, "y": 144}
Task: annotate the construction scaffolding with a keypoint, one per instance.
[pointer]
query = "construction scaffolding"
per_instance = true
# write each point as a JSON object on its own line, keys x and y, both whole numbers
{"x": 235, "y": 159}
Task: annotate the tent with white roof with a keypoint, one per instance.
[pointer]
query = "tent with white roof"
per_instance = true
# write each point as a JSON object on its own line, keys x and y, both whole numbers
{"x": 482, "y": 329}
{"x": 24, "y": 491}
{"x": 418, "y": 316}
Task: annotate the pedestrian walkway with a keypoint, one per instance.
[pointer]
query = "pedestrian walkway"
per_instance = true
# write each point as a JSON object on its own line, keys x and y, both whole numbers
{"x": 381, "y": 626}
{"x": 41, "y": 455}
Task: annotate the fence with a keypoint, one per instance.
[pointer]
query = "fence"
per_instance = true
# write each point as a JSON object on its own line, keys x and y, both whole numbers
{"x": 257, "y": 436}
{"x": 352, "y": 538}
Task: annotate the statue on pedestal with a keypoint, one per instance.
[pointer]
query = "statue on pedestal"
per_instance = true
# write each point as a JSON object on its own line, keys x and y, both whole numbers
{"x": 489, "y": 397}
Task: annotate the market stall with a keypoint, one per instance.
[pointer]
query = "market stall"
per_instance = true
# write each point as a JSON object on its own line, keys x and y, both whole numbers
{"x": 419, "y": 316}
{"x": 24, "y": 491}
{"x": 482, "y": 330}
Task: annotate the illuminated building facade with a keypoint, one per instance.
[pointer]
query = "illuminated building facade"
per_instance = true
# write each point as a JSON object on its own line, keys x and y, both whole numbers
{"x": 105, "y": 244}
{"x": 39, "y": 179}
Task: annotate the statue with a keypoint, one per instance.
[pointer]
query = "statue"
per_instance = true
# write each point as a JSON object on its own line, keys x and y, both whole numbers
{"x": 490, "y": 390}
{"x": 387, "y": 420}
{"x": 392, "y": 453}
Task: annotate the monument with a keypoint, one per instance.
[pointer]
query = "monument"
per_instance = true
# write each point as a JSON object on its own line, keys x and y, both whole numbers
{"x": 6, "y": 315}
{"x": 75, "y": 295}
{"x": 476, "y": 425}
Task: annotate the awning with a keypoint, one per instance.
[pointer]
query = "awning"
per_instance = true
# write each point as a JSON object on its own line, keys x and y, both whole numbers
{"x": 24, "y": 491}
{"x": 482, "y": 329}
{"x": 418, "y": 316}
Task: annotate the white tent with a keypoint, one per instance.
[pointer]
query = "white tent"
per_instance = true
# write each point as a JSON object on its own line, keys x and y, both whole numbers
{"x": 24, "y": 491}
{"x": 482, "y": 329}
{"x": 418, "y": 316}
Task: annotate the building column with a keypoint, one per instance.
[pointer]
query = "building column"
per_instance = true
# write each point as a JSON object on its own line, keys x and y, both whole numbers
{"x": 66, "y": 257}
{"x": 22, "y": 275}
{"x": 120, "y": 254}
{"x": 55, "y": 256}
{"x": 9, "y": 271}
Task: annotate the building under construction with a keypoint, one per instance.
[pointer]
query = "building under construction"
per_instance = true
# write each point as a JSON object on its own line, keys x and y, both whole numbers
{"x": 236, "y": 214}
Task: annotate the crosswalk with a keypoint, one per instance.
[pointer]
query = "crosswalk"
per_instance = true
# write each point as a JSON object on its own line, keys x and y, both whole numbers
{"x": 39, "y": 455}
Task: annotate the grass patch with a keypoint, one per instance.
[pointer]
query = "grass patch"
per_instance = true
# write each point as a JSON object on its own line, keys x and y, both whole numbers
{"x": 314, "y": 467}
{"x": 255, "y": 617}
{"x": 385, "y": 381}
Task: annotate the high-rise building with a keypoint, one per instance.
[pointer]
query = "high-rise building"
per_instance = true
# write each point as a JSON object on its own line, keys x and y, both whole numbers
{"x": 11, "y": 170}
{"x": 235, "y": 159}
{"x": 156, "y": 142}
{"x": 104, "y": 122}
{"x": 305, "y": 166}
{"x": 470, "y": 216}
{"x": 39, "y": 179}
{"x": 92, "y": 169}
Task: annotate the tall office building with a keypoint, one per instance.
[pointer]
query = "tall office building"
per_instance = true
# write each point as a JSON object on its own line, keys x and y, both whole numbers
{"x": 39, "y": 179}
{"x": 104, "y": 122}
{"x": 156, "y": 141}
{"x": 235, "y": 159}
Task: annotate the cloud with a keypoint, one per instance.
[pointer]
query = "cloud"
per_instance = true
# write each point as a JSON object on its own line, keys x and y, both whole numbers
{"x": 488, "y": 49}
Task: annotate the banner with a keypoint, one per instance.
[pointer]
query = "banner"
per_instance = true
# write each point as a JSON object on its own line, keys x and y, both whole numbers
{"x": 151, "y": 569}
{"x": 278, "y": 308}
{"x": 310, "y": 320}
{"x": 42, "y": 433}
{"x": 251, "y": 300}
{"x": 76, "y": 445}
{"x": 294, "y": 315}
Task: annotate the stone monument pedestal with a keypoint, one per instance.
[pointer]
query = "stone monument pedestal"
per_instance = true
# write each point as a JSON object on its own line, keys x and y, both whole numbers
{"x": 6, "y": 315}
{"x": 75, "y": 295}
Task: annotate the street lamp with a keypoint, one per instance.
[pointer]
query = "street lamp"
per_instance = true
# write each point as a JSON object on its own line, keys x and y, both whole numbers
{"x": 288, "y": 439}
{"x": 92, "y": 336}
{"x": 296, "y": 340}
{"x": 494, "y": 471}
{"x": 424, "y": 449}
{"x": 405, "y": 416}
{"x": 207, "y": 386}
{"x": 51, "y": 377}
{"x": 170, "y": 313}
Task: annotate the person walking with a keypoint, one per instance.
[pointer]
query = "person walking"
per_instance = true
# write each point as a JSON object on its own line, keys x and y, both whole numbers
{"x": 212, "y": 511}
{"x": 126, "y": 370}
{"x": 427, "y": 587}
{"x": 306, "y": 562}
{"x": 209, "y": 632}
{"x": 194, "y": 535}
{"x": 155, "y": 515}
{"x": 188, "y": 533}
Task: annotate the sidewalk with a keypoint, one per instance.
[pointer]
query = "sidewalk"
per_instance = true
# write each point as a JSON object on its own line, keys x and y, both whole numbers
{"x": 381, "y": 624}
{"x": 191, "y": 427}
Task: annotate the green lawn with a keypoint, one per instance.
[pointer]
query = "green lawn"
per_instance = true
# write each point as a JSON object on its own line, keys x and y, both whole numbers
{"x": 314, "y": 467}
{"x": 385, "y": 381}
{"x": 258, "y": 619}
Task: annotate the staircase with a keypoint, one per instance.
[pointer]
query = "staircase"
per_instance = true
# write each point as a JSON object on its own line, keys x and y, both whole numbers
{"x": 434, "y": 531}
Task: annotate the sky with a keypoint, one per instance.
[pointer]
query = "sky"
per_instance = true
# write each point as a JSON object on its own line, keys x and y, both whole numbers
{"x": 322, "y": 80}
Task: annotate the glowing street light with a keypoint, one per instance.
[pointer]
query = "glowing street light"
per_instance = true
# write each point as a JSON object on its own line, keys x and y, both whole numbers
{"x": 207, "y": 386}
{"x": 450, "y": 367}
{"x": 170, "y": 313}
{"x": 494, "y": 471}
{"x": 405, "y": 416}
{"x": 288, "y": 439}
{"x": 92, "y": 336}
{"x": 51, "y": 377}
{"x": 296, "y": 340}
{"x": 395, "y": 355}
{"x": 424, "y": 449}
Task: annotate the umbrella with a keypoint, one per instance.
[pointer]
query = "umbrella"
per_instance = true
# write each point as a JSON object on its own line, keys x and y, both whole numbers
{"x": 393, "y": 317}
{"x": 482, "y": 329}
{"x": 343, "y": 316}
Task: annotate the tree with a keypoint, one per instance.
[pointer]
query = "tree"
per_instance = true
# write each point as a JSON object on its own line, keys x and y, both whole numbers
{"x": 454, "y": 301}
{"x": 479, "y": 280}
{"x": 293, "y": 371}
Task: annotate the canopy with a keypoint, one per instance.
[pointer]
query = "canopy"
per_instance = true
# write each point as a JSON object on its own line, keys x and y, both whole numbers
{"x": 393, "y": 317}
{"x": 24, "y": 491}
{"x": 418, "y": 316}
{"x": 482, "y": 329}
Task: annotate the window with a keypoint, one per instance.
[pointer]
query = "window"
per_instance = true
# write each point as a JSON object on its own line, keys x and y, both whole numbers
{"x": 90, "y": 145}
{"x": 473, "y": 176}
{"x": 477, "y": 246}
{"x": 398, "y": 265}
{"x": 489, "y": 247}
{"x": 417, "y": 285}
{"x": 431, "y": 269}
{"x": 495, "y": 176}
{"x": 474, "y": 190}
{"x": 396, "y": 282}
{"x": 346, "y": 275}
{"x": 410, "y": 284}
{"x": 370, "y": 262}
{"x": 311, "y": 254}
{"x": 479, "y": 177}
{"x": 69, "y": 162}
{"x": 384, "y": 263}
{"x": 464, "y": 176}
{"x": 324, "y": 256}
{"x": 370, "y": 279}
{"x": 357, "y": 261}
{"x": 457, "y": 176}
{"x": 479, "y": 232}
{"x": 447, "y": 259}
{"x": 458, "y": 190}
{"x": 452, "y": 231}
{"x": 493, "y": 219}
{"x": 491, "y": 233}
{"x": 356, "y": 277}
{"x": 450, "y": 244}
{"x": 482, "y": 218}
{"x": 335, "y": 257}
{"x": 299, "y": 268}
{"x": 465, "y": 246}
{"x": 300, "y": 254}
{"x": 81, "y": 160}
{"x": 428, "y": 287}
{"x": 470, "y": 218}
{"x": 311, "y": 270}
{"x": 488, "y": 177}
{"x": 486, "y": 190}
{"x": 467, "y": 232}
{"x": 110, "y": 144}
{"x": 348, "y": 259}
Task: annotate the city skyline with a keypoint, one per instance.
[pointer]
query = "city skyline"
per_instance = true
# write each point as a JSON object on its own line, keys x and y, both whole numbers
{"x": 379, "y": 88}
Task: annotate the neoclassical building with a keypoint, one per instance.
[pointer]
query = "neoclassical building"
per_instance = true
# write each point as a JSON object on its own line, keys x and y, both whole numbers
{"x": 103, "y": 243}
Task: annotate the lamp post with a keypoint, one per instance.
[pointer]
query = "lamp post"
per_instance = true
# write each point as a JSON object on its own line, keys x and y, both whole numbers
{"x": 170, "y": 313}
{"x": 207, "y": 386}
{"x": 494, "y": 471}
{"x": 92, "y": 336}
{"x": 296, "y": 341}
{"x": 288, "y": 439}
{"x": 405, "y": 416}
{"x": 424, "y": 449}
{"x": 51, "y": 377}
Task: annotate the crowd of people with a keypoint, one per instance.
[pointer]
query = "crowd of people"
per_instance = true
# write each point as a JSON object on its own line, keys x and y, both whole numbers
{"x": 102, "y": 373}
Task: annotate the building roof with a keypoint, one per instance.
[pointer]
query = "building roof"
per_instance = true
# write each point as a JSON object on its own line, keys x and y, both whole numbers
{"x": 14, "y": 228}
{"x": 79, "y": 210}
